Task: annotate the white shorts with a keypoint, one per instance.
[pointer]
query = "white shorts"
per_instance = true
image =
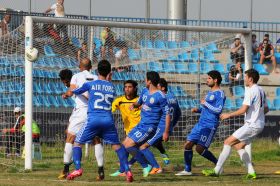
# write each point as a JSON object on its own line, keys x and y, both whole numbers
{"x": 246, "y": 133}
{"x": 77, "y": 119}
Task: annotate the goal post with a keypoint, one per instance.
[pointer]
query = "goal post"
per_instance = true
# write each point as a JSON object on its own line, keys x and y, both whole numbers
{"x": 141, "y": 59}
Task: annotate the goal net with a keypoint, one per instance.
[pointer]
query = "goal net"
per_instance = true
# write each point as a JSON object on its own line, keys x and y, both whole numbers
{"x": 182, "y": 55}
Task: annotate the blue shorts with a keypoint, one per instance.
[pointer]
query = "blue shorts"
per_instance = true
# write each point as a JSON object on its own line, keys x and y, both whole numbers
{"x": 202, "y": 135}
{"x": 157, "y": 137}
{"x": 96, "y": 126}
{"x": 141, "y": 133}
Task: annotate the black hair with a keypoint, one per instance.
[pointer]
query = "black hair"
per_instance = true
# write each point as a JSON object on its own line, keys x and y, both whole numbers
{"x": 163, "y": 83}
{"x": 134, "y": 84}
{"x": 252, "y": 73}
{"x": 265, "y": 40}
{"x": 104, "y": 68}
{"x": 266, "y": 35}
{"x": 153, "y": 77}
{"x": 254, "y": 35}
{"x": 65, "y": 74}
{"x": 214, "y": 74}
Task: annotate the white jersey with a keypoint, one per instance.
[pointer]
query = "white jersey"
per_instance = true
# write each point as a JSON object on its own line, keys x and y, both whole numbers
{"x": 58, "y": 10}
{"x": 255, "y": 98}
{"x": 78, "y": 80}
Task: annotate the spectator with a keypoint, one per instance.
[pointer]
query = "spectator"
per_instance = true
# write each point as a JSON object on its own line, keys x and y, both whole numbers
{"x": 59, "y": 11}
{"x": 235, "y": 75}
{"x": 5, "y": 25}
{"x": 108, "y": 42}
{"x": 237, "y": 49}
{"x": 82, "y": 52}
{"x": 267, "y": 54}
{"x": 255, "y": 44}
{"x": 122, "y": 59}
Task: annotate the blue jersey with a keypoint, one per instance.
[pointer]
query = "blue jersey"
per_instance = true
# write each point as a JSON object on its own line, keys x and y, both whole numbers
{"x": 174, "y": 111}
{"x": 154, "y": 107}
{"x": 101, "y": 96}
{"x": 211, "y": 110}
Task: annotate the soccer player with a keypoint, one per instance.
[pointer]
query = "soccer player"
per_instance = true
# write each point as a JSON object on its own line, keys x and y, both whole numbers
{"x": 154, "y": 107}
{"x": 204, "y": 131}
{"x": 254, "y": 107}
{"x": 99, "y": 119}
{"x": 78, "y": 116}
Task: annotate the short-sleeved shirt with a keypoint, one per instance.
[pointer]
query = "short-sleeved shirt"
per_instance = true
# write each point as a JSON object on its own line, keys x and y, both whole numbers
{"x": 58, "y": 10}
{"x": 255, "y": 98}
{"x": 255, "y": 45}
{"x": 78, "y": 80}
{"x": 130, "y": 118}
{"x": 240, "y": 51}
{"x": 267, "y": 50}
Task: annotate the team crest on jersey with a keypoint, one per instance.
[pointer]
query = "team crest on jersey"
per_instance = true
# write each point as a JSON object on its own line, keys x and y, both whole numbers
{"x": 212, "y": 97}
{"x": 152, "y": 100}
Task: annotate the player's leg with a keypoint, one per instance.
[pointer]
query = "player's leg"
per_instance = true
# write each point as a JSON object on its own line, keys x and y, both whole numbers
{"x": 248, "y": 149}
{"x": 99, "y": 155}
{"x": 206, "y": 138}
{"x": 162, "y": 151}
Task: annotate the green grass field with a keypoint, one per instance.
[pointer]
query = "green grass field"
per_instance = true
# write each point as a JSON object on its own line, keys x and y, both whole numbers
{"x": 266, "y": 158}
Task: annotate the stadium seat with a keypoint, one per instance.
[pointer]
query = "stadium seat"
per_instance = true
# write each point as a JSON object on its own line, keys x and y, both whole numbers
{"x": 146, "y": 43}
{"x": 195, "y": 56}
{"x": 49, "y": 51}
{"x": 181, "y": 91}
{"x": 181, "y": 68}
{"x": 184, "y": 104}
{"x": 184, "y": 44}
{"x": 239, "y": 102}
{"x": 133, "y": 54}
{"x": 220, "y": 68}
{"x": 160, "y": 44}
{"x": 192, "y": 68}
{"x": 172, "y": 44}
{"x": 238, "y": 91}
{"x": 76, "y": 42}
{"x": 277, "y": 92}
{"x": 270, "y": 105}
{"x": 276, "y": 103}
{"x": 36, "y": 102}
{"x": 156, "y": 66}
{"x": 53, "y": 101}
{"x": 168, "y": 67}
{"x": 228, "y": 104}
{"x": 213, "y": 47}
{"x": 185, "y": 57}
{"x": 172, "y": 57}
{"x": 260, "y": 69}
{"x": 209, "y": 56}
{"x": 205, "y": 68}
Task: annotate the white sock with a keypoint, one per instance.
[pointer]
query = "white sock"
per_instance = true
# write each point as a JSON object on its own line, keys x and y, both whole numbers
{"x": 222, "y": 158}
{"x": 99, "y": 154}
{"x": 248, "y": 149}
{"x": 68, "y": 151}
{"x": 246, "y": 159}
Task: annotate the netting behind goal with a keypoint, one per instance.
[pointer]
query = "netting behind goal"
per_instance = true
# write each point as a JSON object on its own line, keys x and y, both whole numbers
{"x": 183, "y": 58}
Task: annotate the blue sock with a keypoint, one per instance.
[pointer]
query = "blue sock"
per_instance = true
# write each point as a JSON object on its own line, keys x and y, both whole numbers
{"x": 208, "y": 155}
{"x": 132, "y": 161}
{"x": 150, "y": 157}
{"x": 188, "y": 155}
{"x": 77, "y": 157}
{"x": 135, "y": 152}
{"x": 122, "y": 155}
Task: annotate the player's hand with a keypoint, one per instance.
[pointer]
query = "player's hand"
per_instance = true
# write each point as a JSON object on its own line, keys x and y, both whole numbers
{"x": 131, "y": 107}
{"x": 64, "y": 96}
{"x": 165, "y": 136}
{"x": 225, "y": 116}
{"x": 202, "y": 101}
{"x": 194, "y": 110}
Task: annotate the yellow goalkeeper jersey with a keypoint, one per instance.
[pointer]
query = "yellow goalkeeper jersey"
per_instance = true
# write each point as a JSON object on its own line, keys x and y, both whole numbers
{"x": 130, "y": 117}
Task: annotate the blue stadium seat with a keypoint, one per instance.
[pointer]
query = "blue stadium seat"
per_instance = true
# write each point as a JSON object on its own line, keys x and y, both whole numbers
{"x": 53, "y": 101}
{"x": 133, "y": 55}
{"x": 160, "y": 44}
{"x": 195, "y": 56}
{"x": 184, "y": 104}
{"x": 184, "y": 44}
{"x": 260, "y": 69}
{"x": 228, "y": 104}
{"x": 276, "y": 103}
{"x": 116, "y": 76}
{"x": 168, "y": 67}
{"x": 209, "y": 56}
{"x": 193, "y": 68}
{"x": 181, "y": 68}
{"x": 46, "y": 88}
{"x": 172, "y": 57}
{"x": 277, "y": 92}
{"x": 220, "y": 68}
{"x": 76, "y": 42}
{"x": 270, "y": 105}
{"x": 37, "y": 102}
{"x": 181, "y": 91}
{"x": 213, "y": 47}
{"x": 44, "y": 100}
{"x": 238, "y": 91}
{"x": 172, "y": 44}
{"x": 205, "y": 68}
{"x": 239, "y": 102}
{"x": 155, "y": 66}
{"x": 146, "y": 43}
{"x": 49, "y": 51}
{"x": 185, "y": 57}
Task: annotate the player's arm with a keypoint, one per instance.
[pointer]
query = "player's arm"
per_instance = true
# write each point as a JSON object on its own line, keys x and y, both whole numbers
{"x": 177, "y": 115}
{"x": 138, "y": 103}
{"x": 218, "y": 104}
{"x": 115, "y": 104}
{"x": 166, "y": 115}
{"x": 78, "y": 91}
